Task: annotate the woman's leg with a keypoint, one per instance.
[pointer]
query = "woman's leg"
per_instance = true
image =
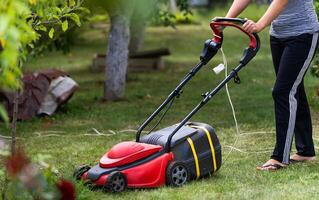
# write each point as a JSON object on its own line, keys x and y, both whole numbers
{"x": 277, "y": 49}
{"x": 294, "y": 62}
{"x": 303, "y": 128}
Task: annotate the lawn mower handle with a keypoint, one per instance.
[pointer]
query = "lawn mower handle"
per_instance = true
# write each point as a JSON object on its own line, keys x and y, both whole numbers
{"x": 211, "y": 47}
{"x": 217, "y": 26}
{"x": 219, "y": 22}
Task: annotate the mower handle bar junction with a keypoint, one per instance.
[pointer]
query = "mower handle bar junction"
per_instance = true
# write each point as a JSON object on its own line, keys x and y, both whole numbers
{"x": 210, "y": 49}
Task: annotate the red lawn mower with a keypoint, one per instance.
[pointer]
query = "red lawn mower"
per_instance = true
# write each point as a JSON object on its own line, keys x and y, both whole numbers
{"x": 178, "y": 153}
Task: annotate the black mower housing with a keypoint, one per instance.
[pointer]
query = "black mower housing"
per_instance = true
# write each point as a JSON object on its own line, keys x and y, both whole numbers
{"x": 202, "y": 156}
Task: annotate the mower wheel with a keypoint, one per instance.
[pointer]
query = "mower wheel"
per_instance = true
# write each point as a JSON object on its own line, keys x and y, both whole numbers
{"x": 177, "y": 174}
{"x": 80, "y": 170}
{"x": 116, "y": 182}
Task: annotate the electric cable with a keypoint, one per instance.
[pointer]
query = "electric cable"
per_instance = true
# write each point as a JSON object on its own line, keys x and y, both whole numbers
{"x": 238, "y": 133}
{"x": 232, "y": 107}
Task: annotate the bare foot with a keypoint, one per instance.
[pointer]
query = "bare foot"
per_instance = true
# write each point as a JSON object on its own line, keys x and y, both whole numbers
{"x": 298, "y": 158}
{"x": 271, "y": 165}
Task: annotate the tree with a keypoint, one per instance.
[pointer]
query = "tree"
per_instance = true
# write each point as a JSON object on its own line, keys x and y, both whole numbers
{"x": 172, "y": 6}
{"x": 117, "y": 52}
{"x": 128, "y": 22}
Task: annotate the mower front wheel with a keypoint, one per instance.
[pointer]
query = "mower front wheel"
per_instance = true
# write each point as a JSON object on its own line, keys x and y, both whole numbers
{"x": 116, "y": 182}
{"x": 177, "y": 174}
{"x": 80, "y": 170}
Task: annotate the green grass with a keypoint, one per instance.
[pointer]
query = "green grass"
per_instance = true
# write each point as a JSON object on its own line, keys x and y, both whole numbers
{"x": 237, "y": 178}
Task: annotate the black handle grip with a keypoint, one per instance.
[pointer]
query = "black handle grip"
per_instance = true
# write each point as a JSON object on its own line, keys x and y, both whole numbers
{"x": 233, "y": 20}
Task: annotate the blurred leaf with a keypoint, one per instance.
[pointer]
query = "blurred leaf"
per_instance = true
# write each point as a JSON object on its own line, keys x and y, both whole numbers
{"x": 42, "y": 28}
{"x": 65, "y": 25}
{"x": 75, "y": 18}
{"x": 51, "y": 33}
{"x": 57, "y": 10}
{"x": 57, "y": 17}
{"x": 71, "y": 3}
{"x": 3, "y": 114}
{"x": 33, "y": 2}
{"x": 31, "y": 45}
{"x": 84, "y": 10}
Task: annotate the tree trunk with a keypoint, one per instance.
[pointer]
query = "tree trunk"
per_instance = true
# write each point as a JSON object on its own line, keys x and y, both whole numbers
{"x": 117, "y": 57}
{"x": 172, "y": 6}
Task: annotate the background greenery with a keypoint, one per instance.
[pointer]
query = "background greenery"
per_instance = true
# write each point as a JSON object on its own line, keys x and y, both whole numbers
{"x": 69, "y": 139}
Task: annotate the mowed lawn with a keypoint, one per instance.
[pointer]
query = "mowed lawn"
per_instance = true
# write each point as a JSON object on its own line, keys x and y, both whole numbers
{"x": 69, "y": 139}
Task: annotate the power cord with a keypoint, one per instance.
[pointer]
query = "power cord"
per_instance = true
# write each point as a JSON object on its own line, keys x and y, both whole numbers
{"x": 232, "y": 148}
{"x": 238, "y": 132}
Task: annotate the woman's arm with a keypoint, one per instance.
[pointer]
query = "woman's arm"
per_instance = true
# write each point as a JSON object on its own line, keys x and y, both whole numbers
{"x": 237, "y": 7}
{"x": 275, "y": 8}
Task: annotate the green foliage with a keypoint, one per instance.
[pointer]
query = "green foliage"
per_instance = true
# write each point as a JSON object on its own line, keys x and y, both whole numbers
{"x": 23, "y": 24}
{"x": 54, "y": 23}
{"x": 26, "y": 28}
{"x": 163, "y": 16}
{"x": 182, "y": 18}
{"x": 113, "y": 7}
{"x": 12, "y": 41}
{"x": 156, "y": 11}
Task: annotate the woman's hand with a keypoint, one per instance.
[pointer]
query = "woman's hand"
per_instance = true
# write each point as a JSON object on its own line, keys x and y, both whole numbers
{"x": 252, "y": 27}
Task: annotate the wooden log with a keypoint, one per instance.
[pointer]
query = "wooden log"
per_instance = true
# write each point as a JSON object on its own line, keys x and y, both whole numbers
{"x": 141, "y": 61}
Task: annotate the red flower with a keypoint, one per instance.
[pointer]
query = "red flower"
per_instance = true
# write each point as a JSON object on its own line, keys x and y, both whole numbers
{"x": 66, "y": 189}
{"x": 16, "y": 162}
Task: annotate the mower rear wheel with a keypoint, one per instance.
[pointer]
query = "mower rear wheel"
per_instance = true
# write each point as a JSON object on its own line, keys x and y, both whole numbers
{"x": 80, "y": 170}
{"x": 177, "y": 174}
{"x": 116, "y": 182}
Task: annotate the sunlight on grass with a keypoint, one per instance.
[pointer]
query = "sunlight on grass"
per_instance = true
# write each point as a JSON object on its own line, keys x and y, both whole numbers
{"x": 73, "y": 141}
